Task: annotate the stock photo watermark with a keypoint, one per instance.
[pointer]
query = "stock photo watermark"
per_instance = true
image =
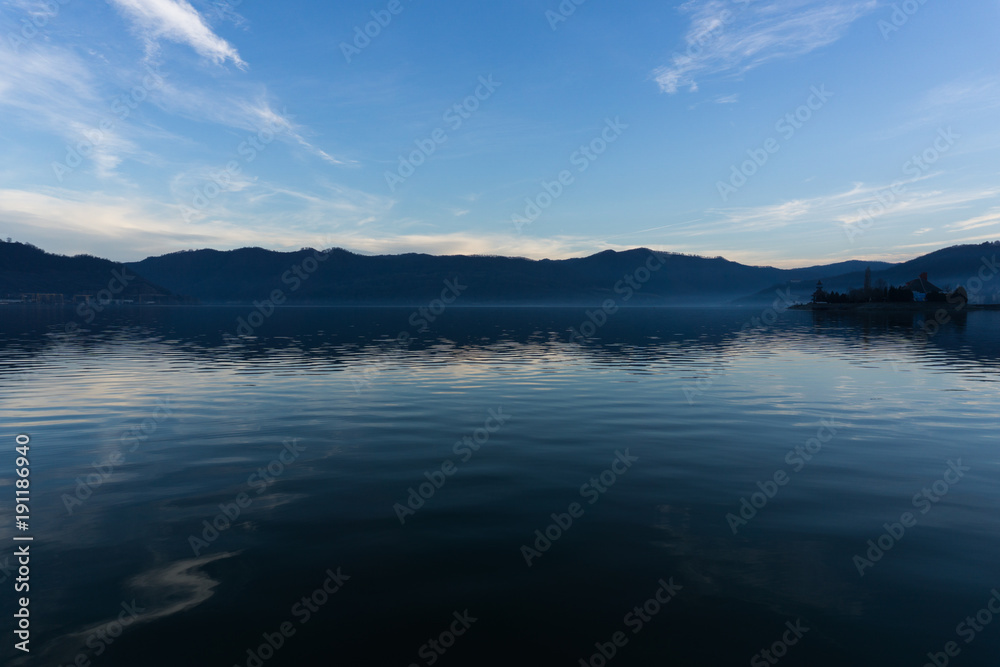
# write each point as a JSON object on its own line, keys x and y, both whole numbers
{"x": 223, "y": 180}
{"x": 455, "y": 116}
{"x": 225, "y": 9}
{"x": 797, "y": 459}
{"x": 626, "y": 287}
{"x": 923, "y": 501}
{"x": 89, "y": 310}
{"x": 779, "y": 649}
{"x": 767, "y": 319}
{"x": 900, "y": 16}
{"x": 968, "y": 629}
{"x": 31, "y": 26}
{"x": 886, "y": 198}
{"x": 364, "y": 34}
{"x": 122, "y": 107}
{"x": 973, "y": 286}
{"x": 101, "y": 638}
{"x": 86, "y": 486}
{"x": 710, "y": 33}
{"x": 562, "y": 13}
{"x": 592, "y": 491}
{"x": 420, "y": 319}
{"x": 302, "y": 611}
{"x": 294, "y": 279}
{"x": 581, "y": 158}
{"x": 635, "y": 621}
{"x": 464, "y": 449}
{"x": 258, "y": 480}
{"x": 786, "y": 126}
{"x": 435, "y": 648}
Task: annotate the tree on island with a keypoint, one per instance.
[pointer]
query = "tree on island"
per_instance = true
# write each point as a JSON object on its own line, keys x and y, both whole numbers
{"x": 819, "y": 295}
{"x": 889, "y": 295}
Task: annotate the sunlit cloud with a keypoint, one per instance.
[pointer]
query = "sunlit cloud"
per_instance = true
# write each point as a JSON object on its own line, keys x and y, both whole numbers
{"x": 177, "y": 21}
{"x": 131, "y": 228}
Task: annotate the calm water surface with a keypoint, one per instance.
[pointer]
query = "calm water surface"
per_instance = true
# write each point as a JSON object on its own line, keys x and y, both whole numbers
{"x": 319, "y": 435}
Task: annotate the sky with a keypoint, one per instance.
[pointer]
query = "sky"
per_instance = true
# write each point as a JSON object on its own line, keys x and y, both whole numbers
{"x": 770, "y": 132}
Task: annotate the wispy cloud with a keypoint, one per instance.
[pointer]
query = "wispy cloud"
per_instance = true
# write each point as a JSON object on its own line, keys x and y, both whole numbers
{"x": 243, "y": 106}
{"x": 177, "y": 21}
{"x": 470, "y": 243}
{"x": 731, "y": 38}
{"x": 938, "y": 244}
{"x": 52, "y": 89}
{"x": 265, "y": 115}
{"x": 836, "y": 209}
{"x": 989, "y": 219}
{"x": 982, "y": 93}
{"x": 35, "y": 76}
{"x": 948, "y": 103}
{"x": 131, "y": 227}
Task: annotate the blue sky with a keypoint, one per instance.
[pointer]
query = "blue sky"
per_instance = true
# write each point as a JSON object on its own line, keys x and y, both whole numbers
{"x": 765, "y": 131}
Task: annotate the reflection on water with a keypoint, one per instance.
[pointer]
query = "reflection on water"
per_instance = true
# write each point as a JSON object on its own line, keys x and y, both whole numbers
{"x": 163, "y": 476}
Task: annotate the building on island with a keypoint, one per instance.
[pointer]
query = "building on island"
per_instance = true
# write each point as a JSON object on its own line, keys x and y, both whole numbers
{"x": 922, "y": 287}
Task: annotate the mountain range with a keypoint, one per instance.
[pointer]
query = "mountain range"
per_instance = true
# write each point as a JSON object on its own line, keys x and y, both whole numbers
{"x": 632, "y": 277}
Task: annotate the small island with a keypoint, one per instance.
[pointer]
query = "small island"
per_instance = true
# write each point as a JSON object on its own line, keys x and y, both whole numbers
{"x": 918, "y": 294}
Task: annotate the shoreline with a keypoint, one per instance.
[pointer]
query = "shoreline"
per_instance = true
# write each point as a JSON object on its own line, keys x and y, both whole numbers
{"x": 881, "y": 307}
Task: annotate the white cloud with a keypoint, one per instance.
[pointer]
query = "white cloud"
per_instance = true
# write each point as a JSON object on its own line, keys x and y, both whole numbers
{"x": 131, "y": 227}
{"x": 731, "y": 38}
{"x": 982, "y": 94}
{"x": 949, "y": 103}
{"x": 40, "y": 78}
{"x": 52, "y": 89}
{"x": 833, "y": 211}
{"x": 177, "y": 21}
{"x": 470, "y": 243}
{"x": 934, "y": 245}
{"x": 247, "y": 108}
{"x": 989, "y": 219}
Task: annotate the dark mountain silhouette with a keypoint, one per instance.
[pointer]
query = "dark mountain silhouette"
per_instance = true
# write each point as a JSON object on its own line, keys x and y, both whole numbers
{"x": 337, "y": 276}
{"x": 947, "y": 268}
{"x": 840, "y": 268}
{"x": 344, "y": 277}
{"x": 27, "y": 269}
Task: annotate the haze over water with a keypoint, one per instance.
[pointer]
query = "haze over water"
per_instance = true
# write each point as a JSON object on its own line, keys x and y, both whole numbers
{"x": 688, "y": 412}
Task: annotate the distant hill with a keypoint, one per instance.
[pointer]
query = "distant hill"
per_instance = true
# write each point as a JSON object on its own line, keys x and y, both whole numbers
{"x": 840, "y": 268}
{"x": 252, "y": 273}
{"x": 26, "y": 269}
{"x": 947, "y": 268}
{"x": 340, "y": 277}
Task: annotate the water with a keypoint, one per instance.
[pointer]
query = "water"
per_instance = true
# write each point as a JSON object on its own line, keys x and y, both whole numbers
{"x": 181, "y": 418}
